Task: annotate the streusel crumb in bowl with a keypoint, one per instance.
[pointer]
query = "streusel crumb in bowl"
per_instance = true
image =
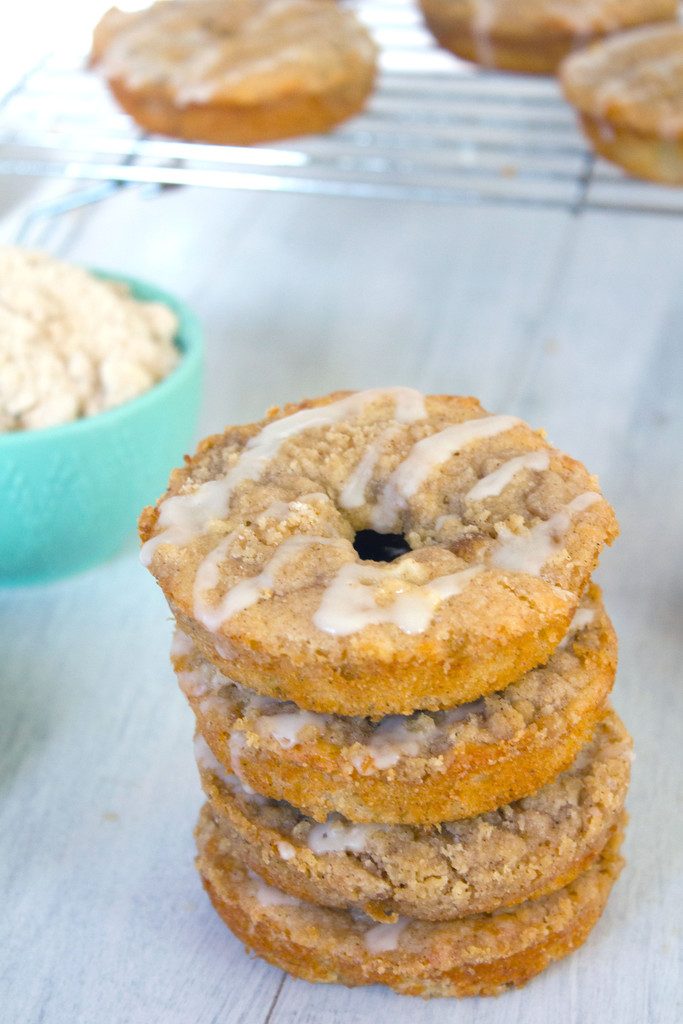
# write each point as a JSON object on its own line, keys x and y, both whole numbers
{"x": 99, "y": 394}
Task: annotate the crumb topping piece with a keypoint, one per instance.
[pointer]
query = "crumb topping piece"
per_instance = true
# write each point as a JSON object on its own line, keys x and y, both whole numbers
{"x": 73, "y": 345}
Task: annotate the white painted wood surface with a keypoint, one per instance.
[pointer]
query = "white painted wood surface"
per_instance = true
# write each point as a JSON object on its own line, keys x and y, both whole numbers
{"x": 576, "y": 325}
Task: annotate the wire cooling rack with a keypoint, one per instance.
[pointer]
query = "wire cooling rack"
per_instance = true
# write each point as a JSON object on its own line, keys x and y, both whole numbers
{"x": 436, "y": 129}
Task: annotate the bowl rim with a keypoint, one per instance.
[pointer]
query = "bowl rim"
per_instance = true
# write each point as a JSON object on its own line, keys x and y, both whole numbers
{"x": 189, "y": 341}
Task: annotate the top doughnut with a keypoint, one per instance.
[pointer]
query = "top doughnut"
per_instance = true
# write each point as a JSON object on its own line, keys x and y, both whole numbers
{"x": 253, "y": 546}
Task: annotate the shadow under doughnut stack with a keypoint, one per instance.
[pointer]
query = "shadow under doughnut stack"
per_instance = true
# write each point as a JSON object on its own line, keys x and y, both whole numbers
{"x": 399, "y": 668}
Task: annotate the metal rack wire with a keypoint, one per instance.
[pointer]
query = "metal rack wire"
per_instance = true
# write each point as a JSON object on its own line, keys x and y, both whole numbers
{"x": 436, "y": 129}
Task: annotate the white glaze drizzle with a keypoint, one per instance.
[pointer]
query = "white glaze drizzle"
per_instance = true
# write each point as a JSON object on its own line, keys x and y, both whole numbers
{"x": 207, "y": 760}
{"x": 483, "y": 22}
{"x": 248, "y": 591}
{"x": 268, "y": 896}
{"x": 338, "y": 837}
{"x": 394, "y": 738}
{"x": 427, "y": 455}
{"x": 191, "y": 683}
{"x": 582, "y": 19}
{"x": 586, "y": 19}
{"x": 583, "y": 617}
{"x": 225, "y": 649}
{"x": 494, "y": 484}
{"x": 286, "y": 727}
{"x": 245, "y": 792}
{"x": 391, "y": 739}
{"x": 529, "y": 551}
{"x": 353, "y": 492}
{"x": 583, "y": 759}
{"x": 238, "y": 742}
{"x": 606, "y": 131}
{"x": 384, "y": 938}
{"x": 198, "y": 682}
{"x": 185, "y": 516}
{"x": 215, "y": 703}
{"x": 409, "y": 404}
{"x": 181, "y": 644}
{"x": 182, "y": 517}
{"x": 349, "y": 601}
{"x": 278, "y": 510}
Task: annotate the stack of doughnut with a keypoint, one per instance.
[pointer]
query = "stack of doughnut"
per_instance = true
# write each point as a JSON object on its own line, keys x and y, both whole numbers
{"x": 399, "y": 668}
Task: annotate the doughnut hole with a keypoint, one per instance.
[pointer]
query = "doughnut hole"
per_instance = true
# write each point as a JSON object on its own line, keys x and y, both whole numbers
{"x": 380, "y": 547}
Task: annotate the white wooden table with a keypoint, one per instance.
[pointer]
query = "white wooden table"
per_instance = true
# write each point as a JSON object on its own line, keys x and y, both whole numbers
{"x": 574, "y": 324}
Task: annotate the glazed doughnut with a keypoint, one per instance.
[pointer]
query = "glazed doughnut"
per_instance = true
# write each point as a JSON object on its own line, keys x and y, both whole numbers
{"x": 480, "y": 955}
{"x": 236, "y": 71}
{"x": 430, "y": 767}
{"x": 253, "y": 547}
{"x": 519, "y": 852}
{"x": 629, "y": 95}
{"x": 533, "y": 36}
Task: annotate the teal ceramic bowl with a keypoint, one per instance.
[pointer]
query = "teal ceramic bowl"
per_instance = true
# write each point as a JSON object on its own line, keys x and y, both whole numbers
{"x": 70, "y": 495}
